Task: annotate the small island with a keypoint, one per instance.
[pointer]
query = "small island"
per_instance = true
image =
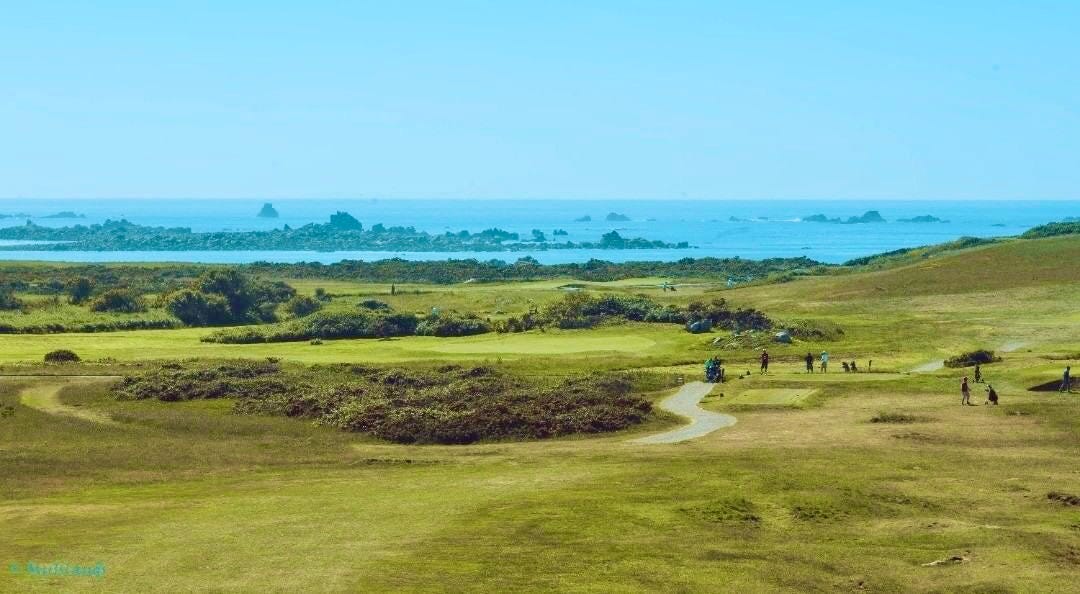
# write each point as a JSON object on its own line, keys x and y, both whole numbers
{"x": 922, "y": 219}
{"x": 584, "y": 219}
{"x": 870, "y": 216}
{"x": 614, "y": 217}
{"x": 65, "y": 214}
{"x": 342, "y": 232}
{"x": 18, "y": 215}
{"x": 268, "y": 212}
{"x": 559, "y": 232}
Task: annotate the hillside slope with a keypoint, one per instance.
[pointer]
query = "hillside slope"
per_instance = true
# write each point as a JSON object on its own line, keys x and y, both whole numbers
{"x": 1008, "y": 265}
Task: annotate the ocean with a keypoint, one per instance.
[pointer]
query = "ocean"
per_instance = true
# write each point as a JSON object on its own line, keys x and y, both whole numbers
{"x": 746, "y": 229}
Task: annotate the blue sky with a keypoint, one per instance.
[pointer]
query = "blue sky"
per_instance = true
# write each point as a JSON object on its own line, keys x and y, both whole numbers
{"x": 620, "y": 99}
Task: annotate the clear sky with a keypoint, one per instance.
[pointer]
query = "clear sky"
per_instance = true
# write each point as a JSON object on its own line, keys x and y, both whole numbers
{"x": 579, "y": 99}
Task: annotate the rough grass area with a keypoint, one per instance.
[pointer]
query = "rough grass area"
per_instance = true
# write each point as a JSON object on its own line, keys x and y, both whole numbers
{"x": 897, "y": 418}
{"x": 449, "y": 404}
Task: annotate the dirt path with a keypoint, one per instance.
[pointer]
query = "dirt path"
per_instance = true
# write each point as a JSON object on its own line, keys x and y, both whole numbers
{"x": 45, "y": 397}
{"x": 685, "y": 404}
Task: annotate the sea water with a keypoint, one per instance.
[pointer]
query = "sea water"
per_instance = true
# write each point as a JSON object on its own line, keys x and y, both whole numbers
{"x": 746, "y": 229}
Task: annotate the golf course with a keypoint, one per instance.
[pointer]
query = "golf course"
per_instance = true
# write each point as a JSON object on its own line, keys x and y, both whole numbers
{"x": 157, "y": 455}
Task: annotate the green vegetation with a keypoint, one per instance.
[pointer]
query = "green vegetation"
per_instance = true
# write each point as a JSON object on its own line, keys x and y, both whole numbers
{"x": 804, "y": 493}
{"x": 228, "y": 297}
{"x": 870, "y": 216}
{"x": 118, "y": 300}
{"x": 61, "y": 356}
{"x": 342, "y": 232}
{"x": 322, "y": 325}
{"x": 449, "y": 404}
{"x": 1053, "y": 230}
{"x": 972, "y": 358}
{"x": 79, "y": 289}
{"x": 895, "y": 417}
{"x": 302, "y": 305}
{"x": 452, "y": 323}
{"x": 8, "y": 300}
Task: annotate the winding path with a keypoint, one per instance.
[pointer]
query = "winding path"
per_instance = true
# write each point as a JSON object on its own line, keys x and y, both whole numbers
{"x": 45, "y": 397}
{"x": 685, "y": 403}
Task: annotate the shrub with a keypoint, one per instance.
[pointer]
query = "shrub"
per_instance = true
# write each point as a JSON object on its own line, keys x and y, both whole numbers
{"x": 452, "y": 324}
{"x": 449, "y": 404}
{"x": 302, "y": 305}
{"x": 196, "y": 308}
{"x": 373, "y": 304}
{"x": 118, "y": 300}
{"x": 8, "y": 300}
{"x": 79, "y": 289}
{"x": 61, "y": 356}
{"x": 979, "y": 357}
{"x": 228, "y": 297}
{"x": 893, "y": 417}
{"x": 361, "y": 324}
{"x": 322, "y": 295}
{"x": 1053, "y": 229}
{"x": 815, "y": 330}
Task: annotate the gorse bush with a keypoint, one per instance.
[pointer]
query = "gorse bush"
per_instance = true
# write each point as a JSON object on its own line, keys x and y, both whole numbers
{"x": 302, "y": 305}
{"x": 79, "y": 289}
{"x": 234, "y": 379}
{"x": 119, "y": 301}
{"x": 1053, "y": 230}
{"x": 358, "y": 324}
{"x": 980, "y": 357}
{"x": 452, "y": 324}
{"x": 8, "y": 300}
{"x": 585, "y": 310}
{"x": 450, "y": 404}
{"x": 815, "y": 330}
{"x": 228, "y": 297}
{"x": 61, "y": 356}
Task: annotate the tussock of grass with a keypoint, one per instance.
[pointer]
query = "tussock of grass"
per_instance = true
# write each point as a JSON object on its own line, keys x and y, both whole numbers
{"x": 730, "y": 510}
{"x": 897, "y": 418}
{"x": 1064, "y": 498}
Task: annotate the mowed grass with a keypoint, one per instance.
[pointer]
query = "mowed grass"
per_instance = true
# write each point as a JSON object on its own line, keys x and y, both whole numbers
{"x": 804, "y": 493}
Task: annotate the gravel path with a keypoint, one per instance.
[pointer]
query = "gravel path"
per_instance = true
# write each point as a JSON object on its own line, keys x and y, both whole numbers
{"x": 685, "y": 404}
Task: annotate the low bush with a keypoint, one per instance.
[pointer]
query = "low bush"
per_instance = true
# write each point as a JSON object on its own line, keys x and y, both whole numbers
{"x": 323, "y": 325}
{"x": 8, "y": 300}
{"x": 894, "y": 417}
{"x": 226, "y": 296}
{"x": 1053, "y": 230}
{"x": 580, "y": 309}
{"x": 61, "y": 356}
{"x": 452, "y": 324}
{"x": 234, "y": 379}
{"x": 373, "y": 304}
{"x": 302, "y": 305}
{"x": 102, "y": 326}
{"x": 118, "y": 301}
{"x": 449, "y": 404}
{"x": 813, "y": 330}
{"x": 979, "y": 357}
